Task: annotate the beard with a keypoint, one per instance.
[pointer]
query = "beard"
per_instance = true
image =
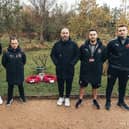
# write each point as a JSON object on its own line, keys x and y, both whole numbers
{"x": 121, "y": 37}
{"x": 65, "y": 38}
{"x": 93, "y": 40}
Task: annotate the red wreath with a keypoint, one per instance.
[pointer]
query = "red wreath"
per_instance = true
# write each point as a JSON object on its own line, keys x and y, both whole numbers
{"x": 33, "y": 79}
{"x": 48, "y": 78}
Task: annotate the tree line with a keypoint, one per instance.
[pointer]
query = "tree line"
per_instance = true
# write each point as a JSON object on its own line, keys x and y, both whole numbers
{"x": 43, "y": 19}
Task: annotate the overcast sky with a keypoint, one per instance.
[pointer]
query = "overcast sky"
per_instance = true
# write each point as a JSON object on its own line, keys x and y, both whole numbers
{"x": 111, "y": 3}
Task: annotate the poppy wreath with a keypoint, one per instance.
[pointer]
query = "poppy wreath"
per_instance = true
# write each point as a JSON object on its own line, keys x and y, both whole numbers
{"x": 33, "y": 79}
{"x": 48, "y": 78}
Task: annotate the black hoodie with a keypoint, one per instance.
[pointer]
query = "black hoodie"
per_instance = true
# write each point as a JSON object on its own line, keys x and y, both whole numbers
{"x": 118, "y": 54}
{"x": 91, "y": 71}
{"x": 65, "y": 55}
{"x": 13, "y": 61}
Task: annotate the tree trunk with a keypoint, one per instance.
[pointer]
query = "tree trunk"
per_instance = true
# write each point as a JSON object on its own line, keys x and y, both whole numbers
{"x": 41, "y": 32}
{"x": 41, "y": 37}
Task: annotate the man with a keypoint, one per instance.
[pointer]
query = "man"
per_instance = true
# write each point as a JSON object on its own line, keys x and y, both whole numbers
{"x": 92, "y": 56}
{"x": 13, "y": 61}
{"x": 1, "y": 101}
{"x": 64, "y": 54}
{"x": 118, "y": 58}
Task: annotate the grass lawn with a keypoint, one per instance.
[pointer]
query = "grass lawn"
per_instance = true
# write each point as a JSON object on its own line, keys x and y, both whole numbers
{"x": 43, "y": 89}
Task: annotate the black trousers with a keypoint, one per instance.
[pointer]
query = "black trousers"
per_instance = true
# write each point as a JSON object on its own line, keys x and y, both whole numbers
{"x": 61, "y": 83}
{"x": 10, "y": 91}
{"x": 122, "y": 76}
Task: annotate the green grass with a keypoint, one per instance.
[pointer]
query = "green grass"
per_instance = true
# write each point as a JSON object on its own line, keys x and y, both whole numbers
{"x": 43, "y": 89}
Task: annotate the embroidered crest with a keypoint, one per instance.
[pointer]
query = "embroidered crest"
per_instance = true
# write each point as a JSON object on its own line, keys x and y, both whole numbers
{"x": 116, "y": 44}
{"x": 11, "y": 56}
{"x": 86, "y": 49}
{"x": 99, "y": 50}
{"x": 18, "y": 55}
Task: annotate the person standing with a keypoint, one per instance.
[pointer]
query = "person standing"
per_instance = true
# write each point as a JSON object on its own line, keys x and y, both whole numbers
{"x": 65, "y": 54}
{"x": 13, "y": 61}
{"x": 1, "y": 101}
{"x": 92, "y": 56}
{"x": 118, "y": 58}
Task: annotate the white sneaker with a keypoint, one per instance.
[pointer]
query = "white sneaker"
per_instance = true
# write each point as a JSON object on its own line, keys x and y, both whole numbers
{"x": 9, "y": 102}
{"x": 60, "y": 101}
{"x": 67, "y": 102}
{"x": 1, "y": 101}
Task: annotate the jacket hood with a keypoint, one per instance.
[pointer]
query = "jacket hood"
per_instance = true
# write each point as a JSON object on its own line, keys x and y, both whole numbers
{"x": 14, "y": 50}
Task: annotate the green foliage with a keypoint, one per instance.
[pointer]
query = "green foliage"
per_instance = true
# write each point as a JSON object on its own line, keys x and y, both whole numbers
{"x": 43, "y": 20}
{"x": 10, "y": 16}
{"x": 90, "y": 15}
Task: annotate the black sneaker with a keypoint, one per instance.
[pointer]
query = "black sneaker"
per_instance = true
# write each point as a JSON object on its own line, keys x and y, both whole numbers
{"x": 9, "y": 102}
{"x": 78, "y": 103}
{"x": 23, "y": 99}
{"x": 96, "y": 104}
{"x": 123, "y": 105}
{"x": 107, "y": 105}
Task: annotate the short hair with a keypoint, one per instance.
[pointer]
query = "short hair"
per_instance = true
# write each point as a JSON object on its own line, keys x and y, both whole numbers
{"x": 122, "y": 25}
{"x": 64, "y": 28}
{"x": 13, "y": 37}
{"x": 92, "y": 30}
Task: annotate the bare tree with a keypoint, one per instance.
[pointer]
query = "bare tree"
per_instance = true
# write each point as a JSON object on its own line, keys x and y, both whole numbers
{"x": 10, "y": 15}
{"x": 42, "y": 8}
{"x": 125, "y": 7}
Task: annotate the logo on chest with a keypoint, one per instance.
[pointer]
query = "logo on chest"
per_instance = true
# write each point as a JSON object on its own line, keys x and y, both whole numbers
{"x": 99, "y": 51}
{"x": 116, "y": 44}
{"x": 86, "y": 49}
{"x": 11, "y": 56}
{"x": 18, "y": 55}
{"x": 15, "y": 56}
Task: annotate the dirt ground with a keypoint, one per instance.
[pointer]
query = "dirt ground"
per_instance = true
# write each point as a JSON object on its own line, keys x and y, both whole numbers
{"x": 45, "y": 114}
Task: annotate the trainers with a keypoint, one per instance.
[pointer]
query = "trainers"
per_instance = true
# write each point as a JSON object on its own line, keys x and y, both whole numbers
{"x": 96, "y": 104}
{"x": 23, "y": 99}
{"x": 60, "y": 101}
{"x": 67, "y": 102}
{"x": 1, "y": 101}
{"x": 107, "y": 105}
{"x": 78, "y": 103}
{"x": 123, "y": 105}
{"x": 9, "y": 102}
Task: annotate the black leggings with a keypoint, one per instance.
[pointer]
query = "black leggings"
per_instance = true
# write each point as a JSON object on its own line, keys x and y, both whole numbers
{"x": 61, "y": 87}
{"x": 122, "y": 83}
{"x": 10, "y": 91}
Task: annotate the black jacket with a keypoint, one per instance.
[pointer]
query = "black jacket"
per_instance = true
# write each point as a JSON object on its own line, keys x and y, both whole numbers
{"x": 118, "y": 54}
{"x": 65, "y": 55}
{"x": 92, "y": 71}
{"x": 14, "y": 61}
